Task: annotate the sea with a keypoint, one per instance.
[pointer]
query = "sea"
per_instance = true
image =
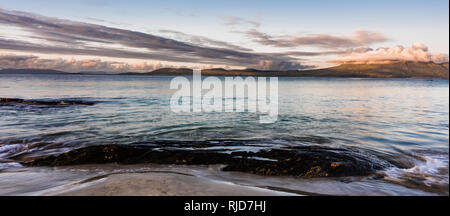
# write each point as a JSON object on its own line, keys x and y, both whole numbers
{"x": 401, "y": 125}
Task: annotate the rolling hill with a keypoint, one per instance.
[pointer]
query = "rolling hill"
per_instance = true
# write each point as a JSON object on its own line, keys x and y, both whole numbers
{"x": 393, "y": 70}
{"x": 31, "y": 71}
{"x": 402, "y": 69}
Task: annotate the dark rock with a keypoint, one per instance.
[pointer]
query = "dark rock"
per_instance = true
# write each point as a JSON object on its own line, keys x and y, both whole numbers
{"x": 304, "y": 161}
{"x": 12, "y": 101}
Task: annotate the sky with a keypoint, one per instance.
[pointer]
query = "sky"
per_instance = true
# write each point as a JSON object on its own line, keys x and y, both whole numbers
{"x": 138, "y": 35}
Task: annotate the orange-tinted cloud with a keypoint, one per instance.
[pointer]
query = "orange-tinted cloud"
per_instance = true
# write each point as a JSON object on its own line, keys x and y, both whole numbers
{"x": 365, "y": 55}
{"x": 72, "y": 65}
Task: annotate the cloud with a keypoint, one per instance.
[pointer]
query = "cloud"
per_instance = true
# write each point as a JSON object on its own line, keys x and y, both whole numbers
{"x": 202, "y": 41}
{"x": 72, "y": 65}
{"x": 58, "y": 36}
{"x": 358, "y": 38}
{"x": 8, "y": 61}
{"x": 305, "y": 53}
{"x": 365, "y": 55}
{"x": 237, "y": 21}
{"x": 281, "y": 65}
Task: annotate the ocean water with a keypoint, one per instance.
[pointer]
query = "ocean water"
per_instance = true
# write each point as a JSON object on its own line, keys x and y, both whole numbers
{"x": 390, "y": 121}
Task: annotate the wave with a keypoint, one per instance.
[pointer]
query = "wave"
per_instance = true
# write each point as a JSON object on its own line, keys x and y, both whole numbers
{"x": 430, "y": 173}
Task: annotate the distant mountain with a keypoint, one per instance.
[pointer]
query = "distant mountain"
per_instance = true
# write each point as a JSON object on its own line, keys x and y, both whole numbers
{"x": 211, "y": 72}
{"x": 401, "y": 69}
{"x": 31, "y": 71}
{"x": 445, "y": 65}
{"x": 49, "y": 71}
{"x": 171, "y": 71}
{"x": 393, "y": 70}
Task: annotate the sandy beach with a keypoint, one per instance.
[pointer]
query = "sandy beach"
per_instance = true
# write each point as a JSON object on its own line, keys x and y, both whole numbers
{"x": 178, "y": 180}
{"x": 118, "y": 180}
{"x": 164, "y": 184}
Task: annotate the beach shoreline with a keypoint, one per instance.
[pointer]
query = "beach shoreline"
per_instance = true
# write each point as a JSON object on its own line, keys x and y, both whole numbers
{"x": 180, "y": 180}
{"x": 122, "y": 180}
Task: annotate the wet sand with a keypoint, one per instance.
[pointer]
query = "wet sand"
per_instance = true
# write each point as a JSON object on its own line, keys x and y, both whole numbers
{"x": 165, "y": 184}
{"x": 117, "y": 180}
{"x": 181, "y": 180}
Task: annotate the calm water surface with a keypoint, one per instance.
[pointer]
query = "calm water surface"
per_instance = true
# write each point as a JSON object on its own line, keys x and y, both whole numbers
{"x": 395, "y": 120}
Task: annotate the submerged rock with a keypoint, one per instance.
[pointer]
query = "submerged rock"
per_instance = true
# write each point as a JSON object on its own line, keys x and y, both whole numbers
{"x": 307, "y": 161}
{"x": 12, "y": 101}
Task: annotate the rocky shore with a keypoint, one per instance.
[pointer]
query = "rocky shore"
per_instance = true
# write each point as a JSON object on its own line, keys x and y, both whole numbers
{"x": 305, "y": 161}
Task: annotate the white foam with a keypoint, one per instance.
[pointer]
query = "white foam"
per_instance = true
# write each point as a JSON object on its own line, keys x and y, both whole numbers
{"x": 433, "y": 169}
{"x": 9, "y": 165}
